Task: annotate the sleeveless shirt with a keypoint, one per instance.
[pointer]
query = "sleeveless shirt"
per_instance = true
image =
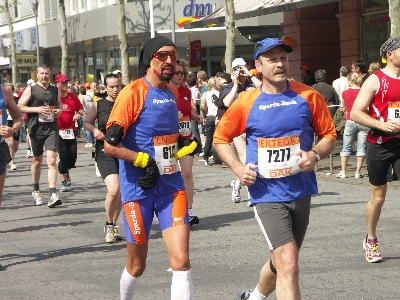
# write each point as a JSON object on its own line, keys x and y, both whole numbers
{"x": 38, "y": 96}
{"x": 104, "y": 108}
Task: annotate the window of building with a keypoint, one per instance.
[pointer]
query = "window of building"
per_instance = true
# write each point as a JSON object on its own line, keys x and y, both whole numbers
{"x": 51, "y": 9}
{"x": 73, "y": 6}
{"x": 101, "y": 2}
{"x": 375, "y": 3}
{"x": 15, "y": 10}
{"x": 82, "y": 5}
{"x": 375, "y": 30}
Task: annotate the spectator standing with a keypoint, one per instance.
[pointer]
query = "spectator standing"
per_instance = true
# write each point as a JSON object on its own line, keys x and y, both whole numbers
{"x": 352, "y": 131}
{"x": 373, "y": 67}
{"x": 376, "y": 107}
{"x": 306, "y": 76}
{"x": 42, "y": 103}
{"x": 202, "y": 79}
{"x": 326, "y": 90}
{"x": 87, "y": 103}
{"x": 231, "y": 91}
{"x": 360, "y": 67}
{"x": 194, "y": 124}
{"x": 210, "y": 112}
{"x": 341, "y": 84}
{"x": 76, "y": 87}
{"x": 277, "y": 190}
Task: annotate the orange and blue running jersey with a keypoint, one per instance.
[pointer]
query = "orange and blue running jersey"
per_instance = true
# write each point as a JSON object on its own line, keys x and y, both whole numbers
{"x": 276, "y": 126}
{"x": 149, "y": 116}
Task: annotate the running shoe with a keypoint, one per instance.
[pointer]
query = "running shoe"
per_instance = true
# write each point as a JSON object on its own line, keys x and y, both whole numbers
{"x": 358, "y": 175}
{"x": 109, "y": 234}
{"x": 340, "y": 175}
{"x": 29, "y": 153}
{"x": 64, "y": 187}
{"x": 13, "y": 166}
{"x": 88, "y": 145}
{"x": 37, "y": 198}
{"x": 54, "y": 201}
{"x": 372, "y": 254}
{"x": 244, "y": 295}
{"x": 117, "y": 233}
{"x": 68, "y": 179}
{"x": 235, "y": 184}
{"x": 249, "y": 204}
{"x": 193, "y": 220}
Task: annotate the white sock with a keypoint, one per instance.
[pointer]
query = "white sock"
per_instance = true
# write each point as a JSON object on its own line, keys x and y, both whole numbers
{"x": 127, "y": 285}
{"x": 255, "y": 295}
{"x": 181, "y": 287}
{"x": 190, "y": 212}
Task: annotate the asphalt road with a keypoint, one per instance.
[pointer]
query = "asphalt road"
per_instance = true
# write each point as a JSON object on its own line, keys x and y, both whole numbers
{"x": 60, "y": 253}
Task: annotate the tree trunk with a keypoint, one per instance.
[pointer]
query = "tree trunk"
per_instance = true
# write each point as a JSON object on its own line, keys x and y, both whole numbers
{"x": 64, "y": 43}
{"x": 12, "y": 43}
{"x": 230, "y": 34}
{"x": 123, "y": 42}
{"x": 394, "y": 15}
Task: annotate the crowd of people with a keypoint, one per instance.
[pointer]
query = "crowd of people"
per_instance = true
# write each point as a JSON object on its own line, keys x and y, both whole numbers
{"x": 147, "y": 170}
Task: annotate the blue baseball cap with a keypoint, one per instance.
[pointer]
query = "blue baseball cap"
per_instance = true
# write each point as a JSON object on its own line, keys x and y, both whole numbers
{"x": 267, "y": 44}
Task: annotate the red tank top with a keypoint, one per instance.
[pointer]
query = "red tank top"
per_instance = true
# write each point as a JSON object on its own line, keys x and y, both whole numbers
{"x": 184, "y": 103}
{"x": 385, "y": 104}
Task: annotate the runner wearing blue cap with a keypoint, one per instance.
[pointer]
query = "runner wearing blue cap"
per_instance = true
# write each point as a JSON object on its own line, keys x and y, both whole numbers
{"x": 280, "y": 118}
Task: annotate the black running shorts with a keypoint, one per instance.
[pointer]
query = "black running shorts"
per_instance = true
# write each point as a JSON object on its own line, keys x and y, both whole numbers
{"x": 107, "y": 165}
{"x": 379, "y": 158}
{"x": 283, "y": 222}
{"x": 38, "y": 141}
{"x": 5, "y": 157}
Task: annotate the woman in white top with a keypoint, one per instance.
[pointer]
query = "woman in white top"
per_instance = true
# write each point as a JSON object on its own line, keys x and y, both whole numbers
{"x": 210, "y": 110}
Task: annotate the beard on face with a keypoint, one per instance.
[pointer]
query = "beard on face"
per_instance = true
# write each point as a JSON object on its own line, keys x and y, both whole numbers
{"x": 167, "y": 77}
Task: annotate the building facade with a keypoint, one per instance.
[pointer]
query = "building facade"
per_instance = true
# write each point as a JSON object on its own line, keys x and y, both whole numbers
{"x": 325, "y": 36}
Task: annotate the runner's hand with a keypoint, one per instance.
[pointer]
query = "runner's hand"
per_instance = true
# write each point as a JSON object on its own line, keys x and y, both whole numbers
{"x": 149, "y": 180}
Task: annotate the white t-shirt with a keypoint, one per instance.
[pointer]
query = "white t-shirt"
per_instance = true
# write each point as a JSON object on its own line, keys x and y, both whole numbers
{"x": 341, "y": 84}
{"x": 212, "y": 109}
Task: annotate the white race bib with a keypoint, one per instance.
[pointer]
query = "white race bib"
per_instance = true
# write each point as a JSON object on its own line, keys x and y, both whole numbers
{"x": 49, "y": 117}
{"x": 67, "y": 134}
{"x": 184, "y": 126}
{"x": 9, "y": 118}
{"x": 165, "y": 148}
{"x": 394, "y": 111}
{"x": 276, "y": 157}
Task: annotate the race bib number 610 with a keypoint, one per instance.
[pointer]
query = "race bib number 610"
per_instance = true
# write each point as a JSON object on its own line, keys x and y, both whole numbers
{"x": 165, "y": 148}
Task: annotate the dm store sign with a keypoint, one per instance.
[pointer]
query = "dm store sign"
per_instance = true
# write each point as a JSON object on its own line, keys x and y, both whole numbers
{"x": 197, "y": 10}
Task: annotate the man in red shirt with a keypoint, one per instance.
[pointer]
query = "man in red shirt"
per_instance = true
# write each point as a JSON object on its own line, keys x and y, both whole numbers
{"x": 72, "y": 110}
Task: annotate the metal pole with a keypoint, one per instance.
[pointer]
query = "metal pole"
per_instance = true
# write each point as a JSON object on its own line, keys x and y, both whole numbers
{"x": 173, "y": 20}
{"x": 152, "y": 32}
{"x": 37, "y": 38}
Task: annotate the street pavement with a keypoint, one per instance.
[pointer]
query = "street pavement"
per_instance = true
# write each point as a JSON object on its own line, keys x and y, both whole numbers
{"x": 60, "y": 253}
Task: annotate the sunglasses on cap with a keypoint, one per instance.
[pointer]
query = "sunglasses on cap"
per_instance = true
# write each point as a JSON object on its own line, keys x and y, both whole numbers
{"x": 163, "y": 55}
{"x": 179, "y": 73}
{"x": 63, "y": 82}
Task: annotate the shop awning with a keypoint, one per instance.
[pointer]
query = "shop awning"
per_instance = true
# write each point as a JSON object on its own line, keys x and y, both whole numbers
{"x": 210, "y": 37}
{"x": 253, "y": 8}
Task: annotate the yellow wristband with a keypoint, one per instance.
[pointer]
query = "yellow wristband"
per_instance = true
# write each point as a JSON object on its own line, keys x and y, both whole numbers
{"x": 186, "y": 150}
{"x": 142, "y": 160}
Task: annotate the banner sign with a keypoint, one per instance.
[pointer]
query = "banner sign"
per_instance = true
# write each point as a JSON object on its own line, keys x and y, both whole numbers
{"x": 195, "y": 53}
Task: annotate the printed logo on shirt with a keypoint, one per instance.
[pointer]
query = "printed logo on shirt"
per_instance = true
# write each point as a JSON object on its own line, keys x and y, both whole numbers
{"x": 163, "y": 101}
{"x": 277, "y": 104}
